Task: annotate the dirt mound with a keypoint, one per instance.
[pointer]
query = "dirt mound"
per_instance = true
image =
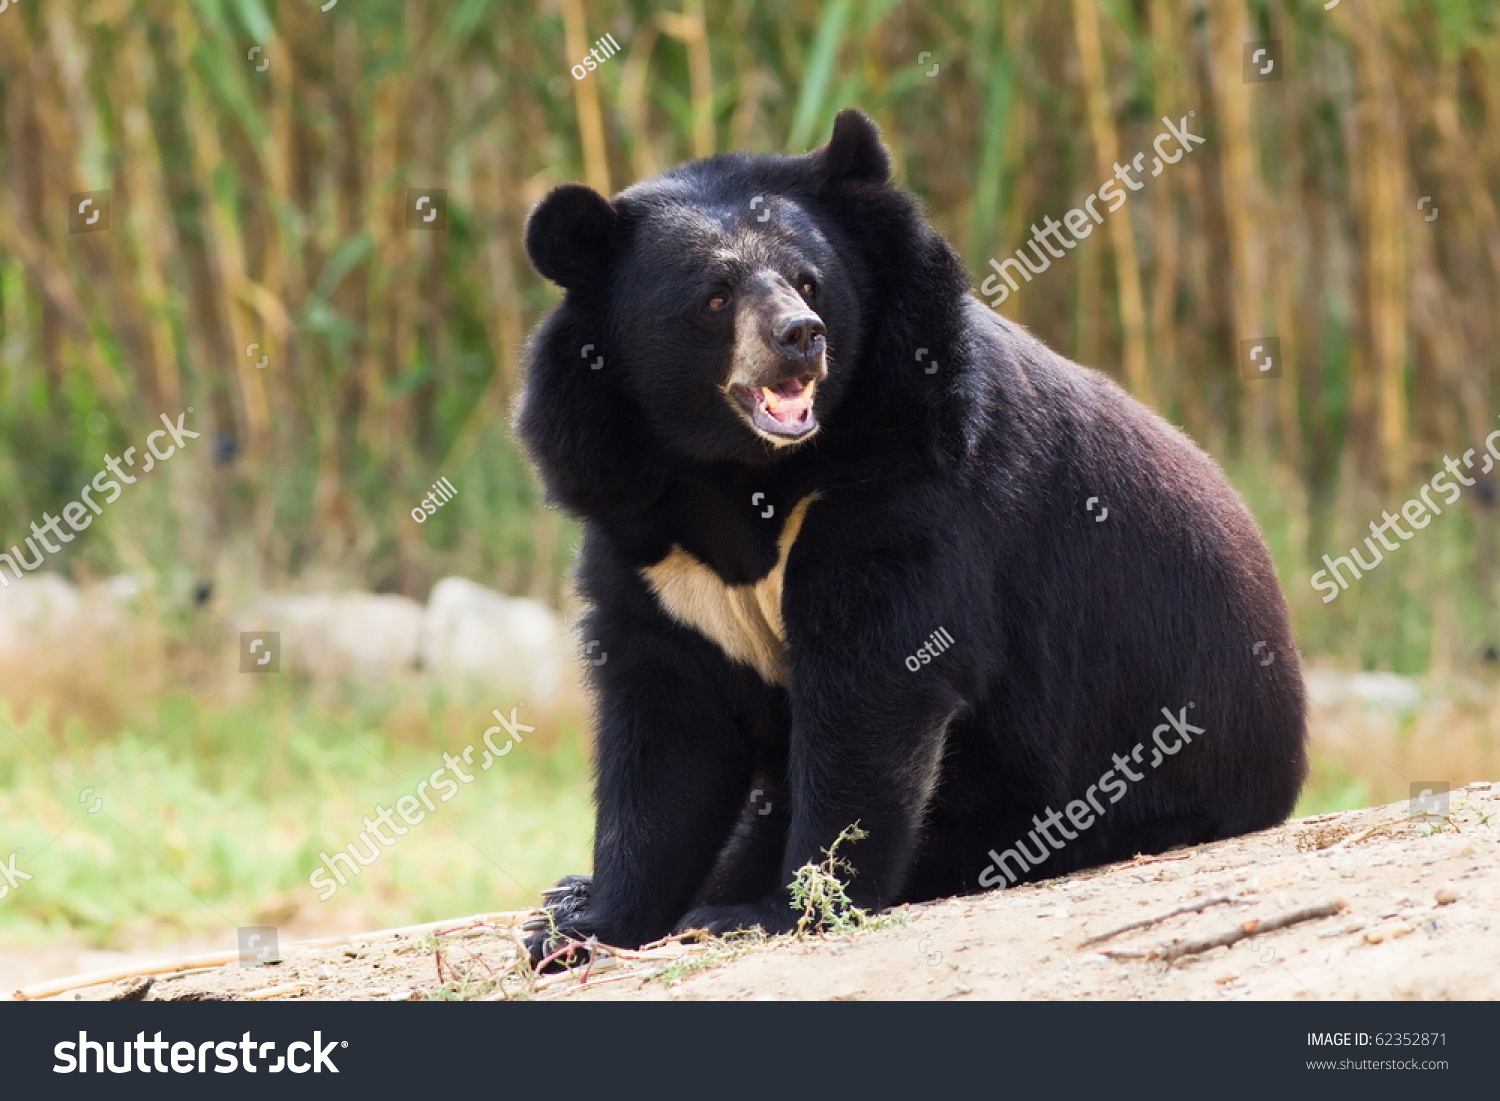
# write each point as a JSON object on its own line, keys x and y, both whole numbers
{"x": 1366, "y": 904}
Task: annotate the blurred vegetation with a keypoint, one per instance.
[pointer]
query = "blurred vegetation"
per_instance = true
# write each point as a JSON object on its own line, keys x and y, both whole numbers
{"x": 207, "y": 818}
{"x": 259, "y": 197}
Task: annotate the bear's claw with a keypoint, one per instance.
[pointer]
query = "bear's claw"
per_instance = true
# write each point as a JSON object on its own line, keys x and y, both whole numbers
{"x": 557, "y": 924}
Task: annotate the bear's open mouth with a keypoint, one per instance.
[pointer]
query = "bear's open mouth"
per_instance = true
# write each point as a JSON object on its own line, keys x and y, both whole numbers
{"x": 784, "y": 410}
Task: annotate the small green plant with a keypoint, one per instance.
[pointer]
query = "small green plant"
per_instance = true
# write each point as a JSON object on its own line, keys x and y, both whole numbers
{"x": 720, "y": 951}
{"x": 819, "y": 893}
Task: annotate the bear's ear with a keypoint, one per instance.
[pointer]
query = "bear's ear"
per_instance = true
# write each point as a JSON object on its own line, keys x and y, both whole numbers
{"x": 570, "y": 236}
{"x": 855, "y": 153}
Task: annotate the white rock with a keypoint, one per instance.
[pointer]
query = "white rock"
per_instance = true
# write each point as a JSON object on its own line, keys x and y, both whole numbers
{"x": 471, "y": 633}
{"x": 36, "y": 608}
{"x": 44, "y": 612}
{"x": 1381, "y": 691}
{"x": 123, "y": 589}
{"x": 332, "y": 636}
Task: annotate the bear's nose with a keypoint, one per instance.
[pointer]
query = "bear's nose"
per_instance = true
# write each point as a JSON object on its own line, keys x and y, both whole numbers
{"x": 801, "y": 336}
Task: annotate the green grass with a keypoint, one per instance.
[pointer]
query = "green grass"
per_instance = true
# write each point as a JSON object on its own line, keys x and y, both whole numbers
{"x": 215, "y": 819}
{"x": 719, "y": 951}
{"x": 1331, "y": 788}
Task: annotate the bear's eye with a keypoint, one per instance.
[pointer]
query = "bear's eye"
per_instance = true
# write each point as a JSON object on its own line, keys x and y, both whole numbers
{"x": 718, "y": 302}
{"x": 809, "y": 287}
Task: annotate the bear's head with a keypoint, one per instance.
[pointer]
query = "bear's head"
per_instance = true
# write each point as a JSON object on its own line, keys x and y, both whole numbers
{"x": 719, "y": 312}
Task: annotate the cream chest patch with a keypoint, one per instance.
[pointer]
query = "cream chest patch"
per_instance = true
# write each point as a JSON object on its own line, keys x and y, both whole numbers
{"x": 743, "y": 620}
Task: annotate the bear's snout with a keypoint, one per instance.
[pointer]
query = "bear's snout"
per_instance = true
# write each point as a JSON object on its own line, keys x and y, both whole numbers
{"x": 800, "y": 336}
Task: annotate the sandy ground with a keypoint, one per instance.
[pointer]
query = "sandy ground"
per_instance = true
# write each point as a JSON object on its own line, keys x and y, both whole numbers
{"x": 1409, "y": 910}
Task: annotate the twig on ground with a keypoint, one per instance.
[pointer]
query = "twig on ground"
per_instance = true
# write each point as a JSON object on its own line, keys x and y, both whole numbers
{"x": 53, "y": 988}
{"x": 591, "y": 946}
{"x": 1194, "y": 908}
{"x": 1254, "y": 927}
{"x": 463, "y": 930}
{"x": 1384, "y": 826}
{"x": 700, "y": 935}
{"x": 576, "y": 976}
{"x": 204, "y": 962}
{"x": 639, "y": 975}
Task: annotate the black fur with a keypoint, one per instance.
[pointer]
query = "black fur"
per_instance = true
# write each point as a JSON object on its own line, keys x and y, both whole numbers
{"x": 954, "y": 498}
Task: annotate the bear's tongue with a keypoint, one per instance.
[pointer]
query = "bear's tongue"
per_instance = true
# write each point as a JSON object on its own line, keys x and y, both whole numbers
{"x": 789, "y": 403}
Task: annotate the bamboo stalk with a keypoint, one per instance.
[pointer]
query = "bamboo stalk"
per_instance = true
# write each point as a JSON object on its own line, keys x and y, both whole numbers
{"x": 586, "y": 99}
{"x": 1106, "y": 155}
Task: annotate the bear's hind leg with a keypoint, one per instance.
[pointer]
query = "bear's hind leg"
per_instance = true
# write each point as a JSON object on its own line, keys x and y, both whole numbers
{"x": 749, "y": 867}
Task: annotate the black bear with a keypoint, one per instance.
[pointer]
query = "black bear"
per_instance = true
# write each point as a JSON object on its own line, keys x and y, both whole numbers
{"x": 858, "y": 550}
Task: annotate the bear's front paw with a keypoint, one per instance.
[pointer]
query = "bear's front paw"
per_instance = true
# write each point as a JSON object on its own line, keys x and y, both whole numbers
{"x": 560, "y": 921}
{"x": 771, "y": 916}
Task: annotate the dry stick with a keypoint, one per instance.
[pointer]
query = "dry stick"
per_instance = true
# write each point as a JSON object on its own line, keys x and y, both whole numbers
{"x": 676, "y": 938}
{"x": 1250, "y": 928}
{"x": 1195, "y": 908}
{"x": 561, "y": 977}
{"x": 655, "y": 952}
{"x": 1383, "y": 826}
{"x": 209, "y": 960}
{"x": 555, "y": 994}
{"x": 591, "y": 946}
{"x": 643, "y": 955}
